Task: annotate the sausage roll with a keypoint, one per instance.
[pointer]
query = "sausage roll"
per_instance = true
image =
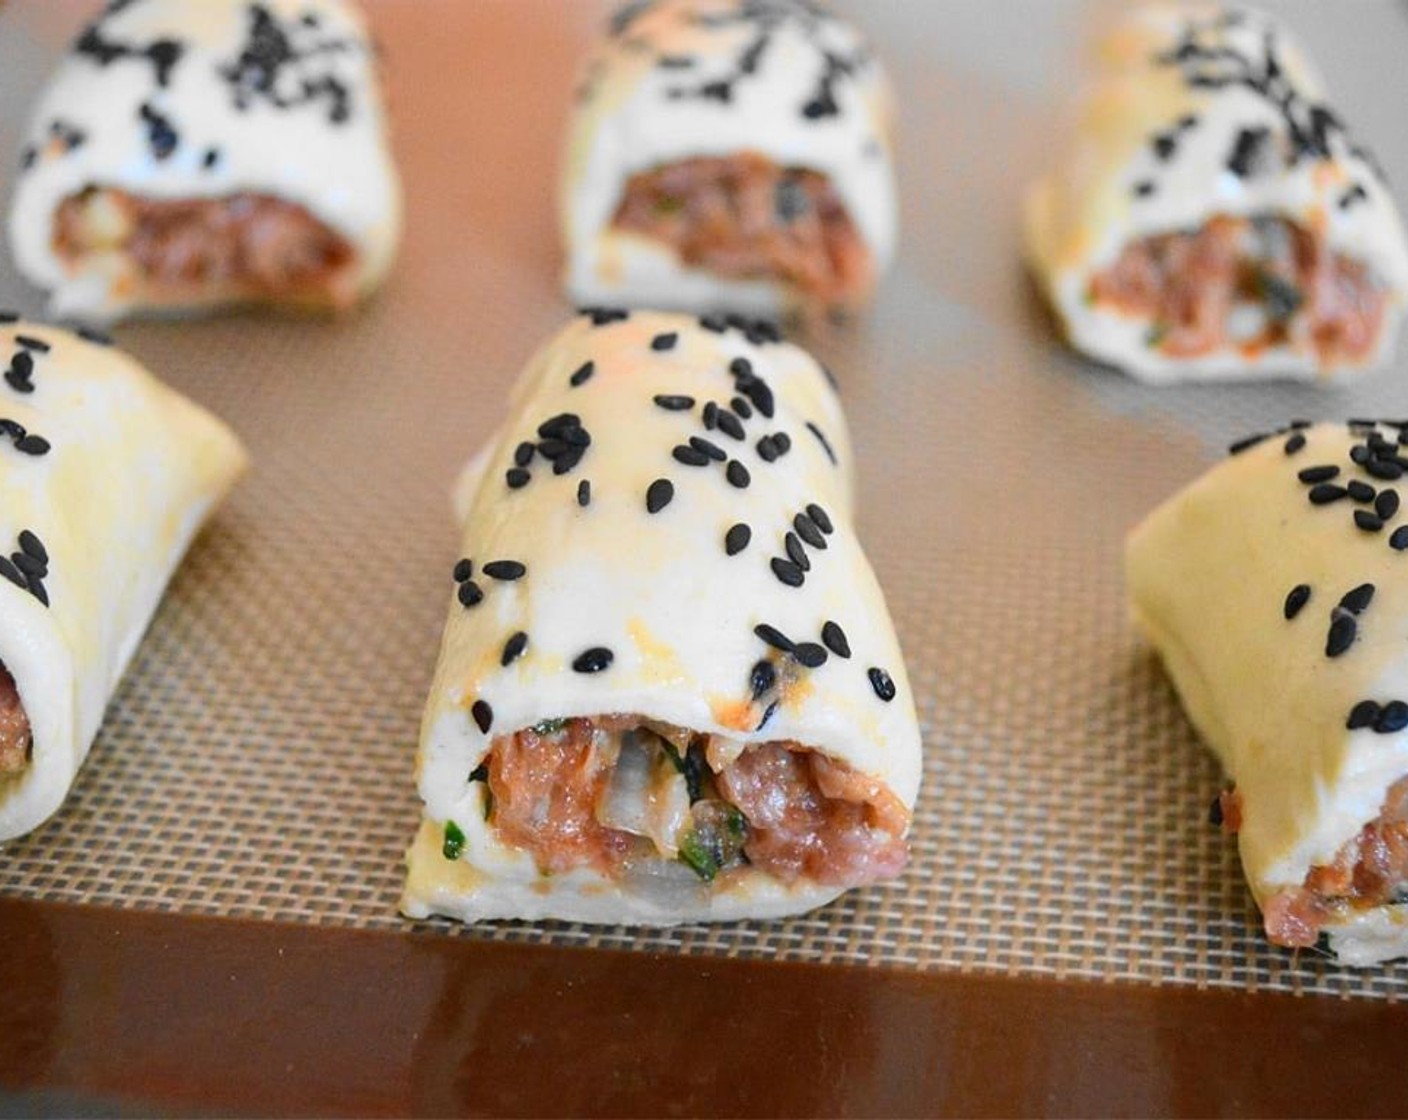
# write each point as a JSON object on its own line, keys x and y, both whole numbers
{"x": 1213, "y": 217}
{"x": 192, "y": 154}
{"x": 1274, "y": 590}
{"x": 668, "y": 689}
{"x": 729, "y": 155}
{"x": 105, "y": 476}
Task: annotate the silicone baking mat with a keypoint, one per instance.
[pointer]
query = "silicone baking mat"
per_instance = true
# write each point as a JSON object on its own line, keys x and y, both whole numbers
{"x": 257, "y": 758}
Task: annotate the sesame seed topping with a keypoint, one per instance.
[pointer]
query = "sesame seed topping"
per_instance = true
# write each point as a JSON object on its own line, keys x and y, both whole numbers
{"x": 1295, "y": 443}
{"x": 662, "y": 342}
{"x": 1398, "y": 539}
{"x": 713, "y": 323}
{"x": 1385, "y": 469}
{"x": 708, "y": 448}
{"x": 1358, "y": 600}
{"x": 758, "y": 392}
{"x": 1343, "y": 631}
{"x": 1247, "y": 442}
{"x": 821, "y": 438}
{"x": 33, "y": 546}
{"x": 741, "y": 367}
{"x": 483, "y": 715}
{"x": 1359, "y": 454}
{"x": 470, "y": 594}
{"x": 1386, "y": 504}
{"x": 523, "y": 454}
{"x": 762, "y": 678}
{"x": 582, "y": 375}
{"x": 767, "y": 449}
{"x": 835, "y": 639}
{"x": 737, "y": 538}
{"x": 738, "y": 474}
{"x": 1323, "y": 473}
{"x": 795, "y": 552}
{"x": 689, "y": 456}
{"x": 584, "y": 493}
{"x": 1325, "y": 493}
{"x": 594, "y": 660}
{"x": 782, "y": 441}
{"x": 659, "y": 495}
{"x": 517, "y": 477}
{"x": 1297, "y": 598}
{"x": 742, "y": 407}
{"x": 11, "y": 573}
{"x": 32, "y": 445}
{"x": 774, "y": 637}
{"x": 809, "y": 531}
{"x": 601, "y": 316}
{"x": 882, "y": 684}
{"x": 464, "y": 568}
{"x": 505, "y": 570}
{"x": 673, "y": 402}
{"x": 1393, "y": 717}
{"x": 819, "y": 515}
{"x": 29, "y": 342}
{"x": 29, "y": 565}
{"x": 731, "y": 425}
{"x": 1369, "y": 522}
{"x": 564, "y": 463}
{"x": 1359, "y": 491}
{"x": 787, "y": 572}
{"x": 1363, "y": 714}
{"x": 810, "y": 654}
{"x": 554, "y": 426}
{"x": 711, "y": 416}
{"x": 514, "y": 647}
{"x": 1143, "y": 189}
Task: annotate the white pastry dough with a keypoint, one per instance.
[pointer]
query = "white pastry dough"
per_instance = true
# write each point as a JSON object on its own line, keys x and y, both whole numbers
{"x": 106, "y": 475}
{"x": 659, "y": 602}
{"x": 169, "y": 100}
{"x": 680, "y": 79}
{"x": 1197, "y": 112}
{"x": 1278, "y": 603}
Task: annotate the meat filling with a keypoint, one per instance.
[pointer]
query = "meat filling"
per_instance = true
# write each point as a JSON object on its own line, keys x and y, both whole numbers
{"x": 16, "y": 741}
{"x": 243, "y": 246}
{"x": 608, "y": 792}
{"x": 743, "y": 217}
{"x": 1369, "y": 871}
{"x": 1246, "y": 284}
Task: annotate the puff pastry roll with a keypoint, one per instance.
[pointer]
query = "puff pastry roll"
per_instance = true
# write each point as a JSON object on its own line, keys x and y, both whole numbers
{"x": 1274, "y": 590}
{"x": 105, "y": 476}
{"x": 1212, "y": 216}
{"x": 668, "y": 689}
{"x": 729, "y": 155}
{"x": 186, "y": 155}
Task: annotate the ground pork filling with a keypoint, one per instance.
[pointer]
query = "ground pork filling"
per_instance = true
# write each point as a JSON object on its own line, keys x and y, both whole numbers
{"x": 619, "y": 791}
{"x": 745, "y": 218}
{"x": 1369, "y": 871}
{"x": 16, "y": 741}
{"x": 242, "y": 246}
{"x": 1246, "y": 285}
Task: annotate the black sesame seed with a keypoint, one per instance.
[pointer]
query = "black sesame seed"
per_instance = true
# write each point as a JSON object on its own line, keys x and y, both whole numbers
{"x": 483, "y": 715}
{"x": 1386, "y": 504}
{"x": 575, "y": 437}
{"x": 1247, "y": 442}
{"x": 594, "y": 660}
{"x": 29, "y": 342}
{"x": 505, "y": 570}
{"x": 98, "y": 338}
{"x": 22, "y": 365}
{"x": 795, "y": 552}
{"x": 774, "y": 637}
{"x": 758, "y": 392}
{"x": 1358, "y": 600}
{"x": 711, "y": 416}
{"x": 1311, "y": 475}
{"x": 1393, "y": 717}
{"x": 782, "y": 441}
{"x": 464, "y": 568}
{"x": 11, "y": 573}
{"x": 1343, "y": 631}
{"x": 1398, "y": 540}
{"x": 819, "y": 515}
{"x": 1359, "y": 454}
{"x": 731, "y": 425}
{"x": 1325, "y": 493}
{"x": 737, "y": 538}
{"x": 742, "y": 407}
{"x": 584, "y": 493}
{"x": 32, "y": 445}
{"x": 1295, "y": 443}
{"x": 808, "y": 530}
{"x": 469, "y": 594}
{"x": 741, "y": 368}
{"x": 1360, "y": 491}
{"x": 788, "y": 572}
{"x": 1382, "y": 468}
{"x": 514, "y": 647}
{"x": 762, "y": 678}
{"x": 689, "y": 456}
{"x": 33, "y": 546}
{"x": 564, "y": 463}
{"x": 660, "y": 493}
{"x": 553, "y": 448}
{"x": 523, "y": 454}
{"x": 211, "y": 157}
{"x": 663, "y": 342}
{"x": 1363, "y": 714}
{"x": 1143, "y": 189}
{"x": 517, "y": 477}
{"x": 713, "y": 323}
{"x": 1298, "y": 596}
{"x": 673, "y": 402}
{"x": 835, "y": 639}
{"x": 882, "y": 684}
{"x": 821, "y": 438}
{"x": 601, "y": 316}
{"x": 29, "y": 565}
{"x": 767, "y": 449}
{"x": 767, "y": 715}
{"x": 738, "y": 474}
{"x": 582, "y": 375}
{"x": 708, "y": 448}
{"x": 1369, "y": 522}
{"x": 810, "y": 654}
{"x": 553, "y": 426}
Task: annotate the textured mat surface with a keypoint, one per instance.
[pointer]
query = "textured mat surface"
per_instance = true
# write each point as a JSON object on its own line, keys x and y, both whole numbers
{"x": 257, "y": 759}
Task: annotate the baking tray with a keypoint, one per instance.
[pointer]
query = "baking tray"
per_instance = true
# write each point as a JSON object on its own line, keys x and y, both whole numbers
{"x": 256, "y": 762}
